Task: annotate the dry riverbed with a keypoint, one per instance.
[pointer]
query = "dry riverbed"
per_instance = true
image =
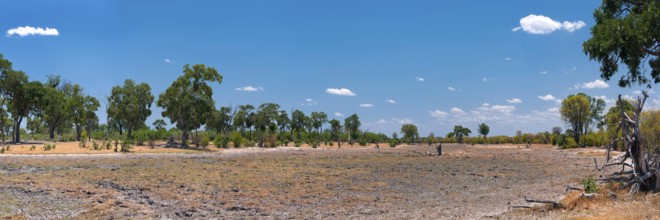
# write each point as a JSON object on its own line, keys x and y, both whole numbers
{"x": 288, "y": 182}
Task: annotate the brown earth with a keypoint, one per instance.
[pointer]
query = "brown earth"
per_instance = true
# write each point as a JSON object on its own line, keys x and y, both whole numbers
{"x": 289, "y": 182}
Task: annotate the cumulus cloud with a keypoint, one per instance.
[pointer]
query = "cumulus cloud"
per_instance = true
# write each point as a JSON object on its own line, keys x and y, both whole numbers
{"x": 457, "y": 111}
{"x": 250, "y": 89}
{"x": 486, "y": 104}
{"x": 596, "y": 84}
{"x": 168, "y": 60}
{"x": 539, "y": 24}
{"x": 27, "y": 30}
{"x": 366, "y": 105}
{"x": 420, "y": 79}
{"x": 514, "y": 101}
{"x": 309, "y": 100}
{"x": 340, "y": 92}
{"x": 547, "y": 97}
{"x": 503, "y": 108}
{"x": 508, "y": 59}
{"x": 438, "y": 114}
{"x": 339, "y": 114}
{"x": 451, "y": 89}
{"x": 403, "y": 120}
{"x": 381, "y": 121}
{"x": 390, "y": 101}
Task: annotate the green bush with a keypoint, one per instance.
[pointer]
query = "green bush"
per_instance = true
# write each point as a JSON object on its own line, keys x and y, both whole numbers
{"x": 116, "y": 145}
{"x": 236, "y": 139}
{"x": 2, "y": 150}
{"x": 297, "y": 143}
{"x": 363, "y": 142}
{"x": 205, "y": 140}
{"x": 95, "y": 146}
{"x": 33, "y": 147}
{"x": 83, "y": 143}
{"x": 48, "y": 147}
{"x": 108, "y": 145}
{"x": 590, "y": 185}
{"x": 221, "y": 141}
{"x": 126, "y": 145}
{"x": 394, "y": 142}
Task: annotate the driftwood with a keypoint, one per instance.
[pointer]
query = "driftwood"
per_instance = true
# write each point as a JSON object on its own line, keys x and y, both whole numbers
{"x": 569, "y": 188}
{"x": 553, "y": 203}
{"x": 645, "y": 167}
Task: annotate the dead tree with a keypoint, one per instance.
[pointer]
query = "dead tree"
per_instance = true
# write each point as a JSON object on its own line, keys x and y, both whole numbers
{"x": 645, "y": 167}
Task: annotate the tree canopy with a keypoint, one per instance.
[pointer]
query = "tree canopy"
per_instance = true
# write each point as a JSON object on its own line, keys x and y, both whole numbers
{"x": 130, "y": 105}
{"x": 409, "y": 132}
{"x": 484, "y": 130}
{"x": 576, "y": 112}
{"x": 626, "y": 32}
{"x": 188, "y": 100}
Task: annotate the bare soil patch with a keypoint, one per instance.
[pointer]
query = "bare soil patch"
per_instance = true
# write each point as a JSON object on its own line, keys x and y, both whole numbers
{"x": 288, "y": 182}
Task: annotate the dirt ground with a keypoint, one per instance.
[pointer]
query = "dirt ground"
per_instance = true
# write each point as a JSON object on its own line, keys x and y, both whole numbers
{"x": 290, "y": 182}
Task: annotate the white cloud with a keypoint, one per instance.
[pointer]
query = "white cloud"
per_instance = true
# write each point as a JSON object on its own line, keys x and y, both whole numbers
{"x": 572, "y": 26}
{"x": 637, "y": 92}
{"x": 486, "y": 104}
{"x": 514, "y": 101}
{"x": 27, "y": 30}
{"x": 167, "y": 60}
{"x": 339, "y": 114}
{"x": 250, "y": 89}
{"x": 548, "y": 97}
{"x": 451, "y": 89}
{"x": 420, "y": 79}
{"x": 503, "y": 108}
{"x": 309, "y": 100}
{"x": 390, "y": 101}
{"x": 457, "y": 111}
{"x": 508, "y": 59}
{"x": 543, "y": 72}
{"x": 438, "y": 114}
{"x": 366, "y": 105}
{"x": 596, "y": 84}
{"x": 539, "y": 24}
{"x": 484, "y": 79}
{"x": 341, "y": 92}
{"x": 403, "y": 120}
{"x": 381, "y": 121}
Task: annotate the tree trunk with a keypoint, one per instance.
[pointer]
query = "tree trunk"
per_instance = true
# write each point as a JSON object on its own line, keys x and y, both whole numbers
{"x": 78, "y": 132}
{"x": 184, "y": 138}
{"x": 17, "y": 129}
{"x": 51, "y": 132}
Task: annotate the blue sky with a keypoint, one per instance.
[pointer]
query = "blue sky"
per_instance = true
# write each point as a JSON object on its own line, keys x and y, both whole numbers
{"x": 432, "y": 63}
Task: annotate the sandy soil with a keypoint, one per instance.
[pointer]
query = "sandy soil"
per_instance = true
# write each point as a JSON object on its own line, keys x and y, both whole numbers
{"x": 289, "y": 182}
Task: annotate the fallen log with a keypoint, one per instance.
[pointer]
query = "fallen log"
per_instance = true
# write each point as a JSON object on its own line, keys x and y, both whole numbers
{"x": 553, "y": 203}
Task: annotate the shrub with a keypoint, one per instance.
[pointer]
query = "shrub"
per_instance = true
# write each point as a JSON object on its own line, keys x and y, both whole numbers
{"x": 205, "y": 140}
{"x": 126, "y": 145}
{"x": 297, "y": 143}
{"x": 221, "y": 141}
{"x": 249, "y": 143}
{"x": 95, "y": 146}
{"x": 2, "y": 150}
{"x": 236, "y": 139}
{"x": 33, "y": 147}
{"x": 590, "y": 185}
{"x": 116, "y": 145}
{"x": 48, "y": 147}
{"x": 108, "y": 145}
{"x": 363, "y": 142}
{"x": 83, "y": 143}
{"x": 394, "y": 142}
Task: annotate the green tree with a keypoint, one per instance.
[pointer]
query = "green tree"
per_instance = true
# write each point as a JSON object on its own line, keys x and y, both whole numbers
{"x": 409, "y": 132}
{"x": 130, "y": 105}
{"x": 459, "y": 132}
{"x": 188, "y": 100}
{"x": 484, "y": 130}
{"x": 243, "y": 117}
{"x": 220, "y": 120}
{"x": 613, "y": 118}
{"x": 55, "y": 108}
{"x": 576, "y": 112}
{"x": 556, "y": 130}
{"x": 283, "y": 121}
{"x": 318, "y": 119}
{"x": 159, "y": 124}
{"x": 90, "y": 106}
{"x": 24, "y": 97}
{"x": 596, "y": 108}
{"x": 626, "y": 33}
{"x": 352, "y": 126}
{"x": 297, "y": 122}
{"x": 335, "y": 127}
{"x": 265, "y": 120}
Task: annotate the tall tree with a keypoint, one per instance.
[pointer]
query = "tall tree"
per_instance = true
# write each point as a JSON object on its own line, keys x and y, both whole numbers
{"x": 318, "y": 119}
{"x": 459, "y": 132}
{"x": 265, "y": 120}
{"x": 220, "y": 120}
{"x": 190, "y": 97}
{"x": 626, "y": 32}
{"x": 576, "y": 112}
{"x": 55, "y": 109}
{"x": 297, "y": 122}
{"x": 352, "y": 125}
{"x": 90, "y": 106}
{"x": 130, "y": 105}
{"x": 24, "y": 97}
{"x": 283, "y": 121}
{"x": 159, "y": 124}
{"x": 596, "y": 108}
{"x": 484, "y": 130}
{"x": 409, "y": 132}
{"x": 335, "y": 130}
{"x": 243, "y": 117}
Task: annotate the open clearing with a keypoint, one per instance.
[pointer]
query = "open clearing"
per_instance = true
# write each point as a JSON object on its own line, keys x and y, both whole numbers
{"x": 289, "y": 182}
